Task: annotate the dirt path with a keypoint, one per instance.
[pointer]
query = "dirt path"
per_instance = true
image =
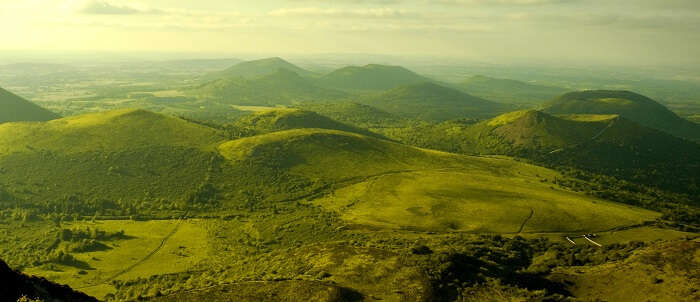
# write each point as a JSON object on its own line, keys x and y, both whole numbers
{"x": 144, "y": 259}
{"x": 522, "y": 226}
{"x": 612, "y": 122}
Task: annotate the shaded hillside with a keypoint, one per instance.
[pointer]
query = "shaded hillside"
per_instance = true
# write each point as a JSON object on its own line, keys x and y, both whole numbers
{"x": 639, "y": 154}
{"x": 629, "y": 105}
{"x": 281, "y": 87}
{"x": 509, "y": 91}
{"x": 432, "y": 102}
{"x": 605, "y": 144}
{"x": 370, "y": 77}
{"x": 17, "y": 109}
{"x": 352, "y": 113}
{"x": 16, "y": 285}
{"x": 257, "y": 68}
{"x": 522, "y": 133}
{"x": 287, "y": 119}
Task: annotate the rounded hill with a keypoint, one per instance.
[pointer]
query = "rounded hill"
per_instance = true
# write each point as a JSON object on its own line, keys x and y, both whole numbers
{"x": 258, "y": 68}
{"x": 630, "y": 105}
{"x": 289, "y": 118}
{"x": 370, "y": 77}
{"x": 433, "y": 102}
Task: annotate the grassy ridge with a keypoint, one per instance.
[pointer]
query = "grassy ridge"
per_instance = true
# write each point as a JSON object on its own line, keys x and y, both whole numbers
{"x": 509, "y": 91}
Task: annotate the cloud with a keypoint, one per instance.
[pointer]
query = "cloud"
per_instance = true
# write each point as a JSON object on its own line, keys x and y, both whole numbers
{"x": 100, "y": 7}
{"x": 503, "y": 2}
{"x": 334, "y": 12}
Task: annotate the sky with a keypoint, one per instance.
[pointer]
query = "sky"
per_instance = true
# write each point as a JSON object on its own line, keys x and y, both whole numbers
{"x": 644, "y": 32}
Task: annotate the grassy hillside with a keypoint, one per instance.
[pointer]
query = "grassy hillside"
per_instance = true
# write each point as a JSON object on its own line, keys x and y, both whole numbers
{"x": 306, "y": 213}
{"x": 17, "y": 109}
{"x": 509, "y": 91}
{"x": 287, "y": 119}
{"x": 257, "y": 68}
{"x": 126, "y": 162}
{"x": 433, "y": 102}
{"x": 370, "y": 77}
{"x": 509, "y": 133}
{"x": 128, "y": 155}
{"x": 283, "y": 87}
{"x": 396, "y": 186}
{"x": 606, "y": 144}
{"x": 630, "y": 105}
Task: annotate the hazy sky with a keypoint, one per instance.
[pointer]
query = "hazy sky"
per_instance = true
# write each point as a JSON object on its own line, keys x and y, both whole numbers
{"x": 602, "y": 31}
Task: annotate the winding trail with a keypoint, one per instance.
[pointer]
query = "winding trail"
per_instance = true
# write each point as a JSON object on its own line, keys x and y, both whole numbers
{"x": 144, "y": 259}
{"x": 522, "y": 226}
{"x": 612, "y": 122}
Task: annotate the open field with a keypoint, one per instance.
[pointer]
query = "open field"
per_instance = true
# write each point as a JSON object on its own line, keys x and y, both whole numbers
{"x": 475, "y": 201}
{"x": 147, "y": 251}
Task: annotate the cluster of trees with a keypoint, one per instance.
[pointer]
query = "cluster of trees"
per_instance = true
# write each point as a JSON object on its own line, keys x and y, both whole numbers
{"x": 677, "y": 207}
{"x": 454, "y": 266}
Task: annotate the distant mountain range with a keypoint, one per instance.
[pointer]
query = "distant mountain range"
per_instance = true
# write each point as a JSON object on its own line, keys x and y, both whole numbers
{"x": 509, "y": 91}
{"x": 17, "y": 109}
{"x": 282, "y": 87}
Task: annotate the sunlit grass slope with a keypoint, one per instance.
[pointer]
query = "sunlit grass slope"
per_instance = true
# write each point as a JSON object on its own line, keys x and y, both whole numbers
{"x": 384, "y": 184}
{"x": 125, "y": 155}
{"x": 476, "y": 201}
{"x": 126, "y": 129}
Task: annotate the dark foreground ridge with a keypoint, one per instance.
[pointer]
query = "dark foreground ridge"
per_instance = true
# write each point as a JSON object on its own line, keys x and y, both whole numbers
{"x": 14, "y": 285}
